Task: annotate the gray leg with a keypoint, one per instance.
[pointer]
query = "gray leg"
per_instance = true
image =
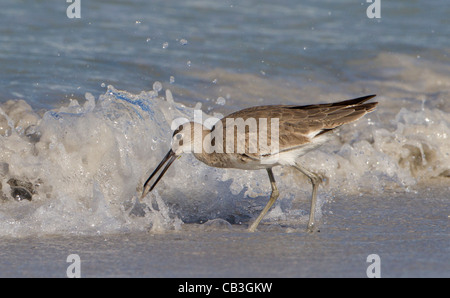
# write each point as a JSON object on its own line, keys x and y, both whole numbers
{"x": 315, "y": 181}
{"x": 273, "y": 198}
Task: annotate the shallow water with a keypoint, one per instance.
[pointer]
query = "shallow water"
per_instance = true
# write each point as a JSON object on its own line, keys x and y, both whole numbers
{"x": 87, "y": 104}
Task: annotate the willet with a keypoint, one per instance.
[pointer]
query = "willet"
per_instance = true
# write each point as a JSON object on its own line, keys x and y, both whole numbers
{"x": 300, "y": 129}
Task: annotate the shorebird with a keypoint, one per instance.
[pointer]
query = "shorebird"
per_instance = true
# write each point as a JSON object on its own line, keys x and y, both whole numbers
{"x": 300, "y": 130}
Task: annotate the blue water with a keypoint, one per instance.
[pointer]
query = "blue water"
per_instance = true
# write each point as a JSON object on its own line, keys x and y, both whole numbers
{"x": 46, "y": 58}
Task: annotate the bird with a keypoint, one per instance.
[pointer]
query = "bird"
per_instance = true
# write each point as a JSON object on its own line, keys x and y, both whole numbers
{"x": 237, "y": 141}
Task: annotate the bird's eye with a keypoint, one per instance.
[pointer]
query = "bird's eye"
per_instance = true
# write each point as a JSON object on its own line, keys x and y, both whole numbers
{"x": 178, "y": 136}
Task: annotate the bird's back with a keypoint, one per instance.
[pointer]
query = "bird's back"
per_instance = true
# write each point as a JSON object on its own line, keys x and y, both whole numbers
{"x": 260, "y": 132}
{"x": 298, "y": 124}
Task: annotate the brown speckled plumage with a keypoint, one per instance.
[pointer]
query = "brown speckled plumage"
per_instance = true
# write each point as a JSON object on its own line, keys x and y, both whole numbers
{"x": 298, "y": 125}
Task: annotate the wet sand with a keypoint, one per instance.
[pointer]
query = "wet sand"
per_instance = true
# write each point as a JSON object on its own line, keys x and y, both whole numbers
{"x": 411, "y": 237}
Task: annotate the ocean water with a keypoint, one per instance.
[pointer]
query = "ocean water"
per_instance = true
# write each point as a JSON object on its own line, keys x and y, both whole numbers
{"x": 87, "y": 104}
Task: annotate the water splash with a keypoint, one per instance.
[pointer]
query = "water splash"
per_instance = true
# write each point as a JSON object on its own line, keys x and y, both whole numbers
{"x": 84, "y": 165}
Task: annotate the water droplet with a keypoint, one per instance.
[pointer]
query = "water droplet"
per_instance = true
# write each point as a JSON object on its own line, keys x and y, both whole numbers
{"x": 189, "y": 63}
{"x": 221, "y": 101}
{"x": 183, "y": 42}
{"x": 157, "y": 86}
{"x": 214, "y": 81}
{"x": 138, "y": 22}
{"x": 165, "y": 45}
{"x": 148, "y": 39}
{"x": 169, "y": 96}
{"x": 103, "y": 85}
{"x": 172, "y": 79}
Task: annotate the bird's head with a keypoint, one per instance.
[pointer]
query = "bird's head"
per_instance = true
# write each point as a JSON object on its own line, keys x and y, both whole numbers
{"x": 186, "y": 138}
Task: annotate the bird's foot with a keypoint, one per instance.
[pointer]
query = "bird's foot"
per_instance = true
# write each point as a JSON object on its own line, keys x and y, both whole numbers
{"x": 311, "y": 228}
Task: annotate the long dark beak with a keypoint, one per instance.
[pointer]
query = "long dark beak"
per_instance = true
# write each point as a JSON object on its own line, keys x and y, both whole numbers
{"x": 169, "y": 158}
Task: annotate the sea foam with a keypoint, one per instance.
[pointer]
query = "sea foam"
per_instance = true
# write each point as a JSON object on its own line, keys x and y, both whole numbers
{"x": 84, "y": 165}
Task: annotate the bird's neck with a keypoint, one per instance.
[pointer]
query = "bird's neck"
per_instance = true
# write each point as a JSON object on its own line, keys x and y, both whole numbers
{"x": 208, "y": 148}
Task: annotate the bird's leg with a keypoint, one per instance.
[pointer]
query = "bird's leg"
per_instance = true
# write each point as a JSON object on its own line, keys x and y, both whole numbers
{"x": 273, "y": 197}
{"x": 315, "y": 181}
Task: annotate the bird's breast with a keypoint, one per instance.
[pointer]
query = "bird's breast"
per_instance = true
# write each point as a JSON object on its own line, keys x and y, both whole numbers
{"x": 231, "y": 160}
